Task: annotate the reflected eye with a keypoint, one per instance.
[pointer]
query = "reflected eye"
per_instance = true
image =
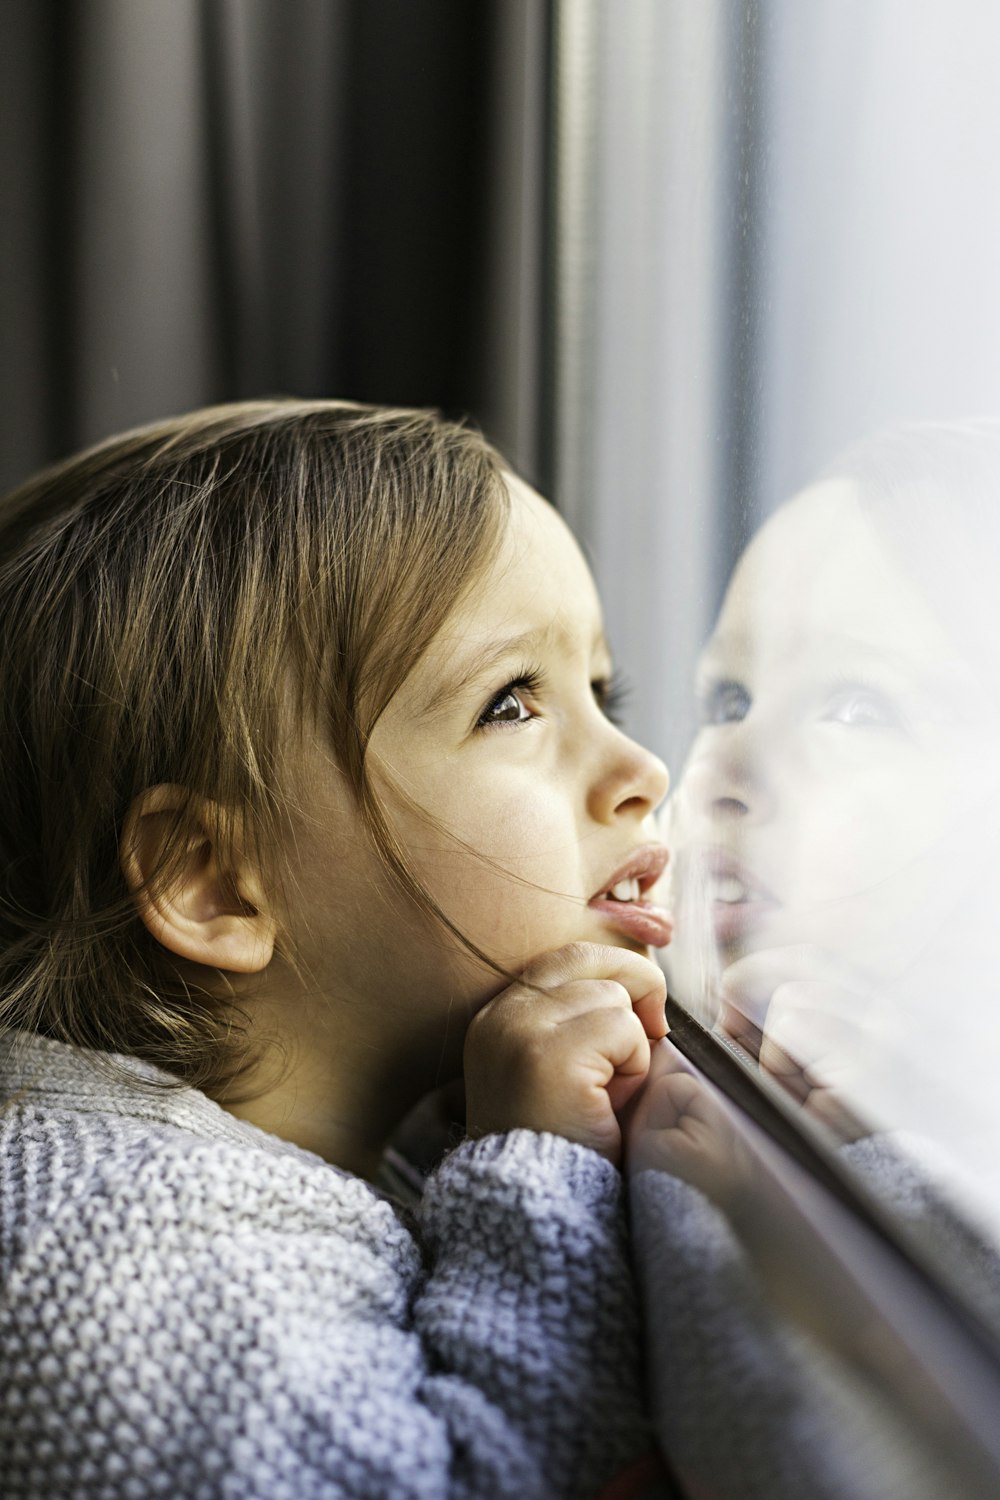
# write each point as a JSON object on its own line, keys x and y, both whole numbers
{"x": 859, "y": 707}
{"x": 725, "y": 702}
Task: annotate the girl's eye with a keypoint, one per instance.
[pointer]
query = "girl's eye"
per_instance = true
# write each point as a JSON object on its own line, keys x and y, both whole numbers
{"x": 725, "y": 702}
{"x": 508, "y": 706}
{"x": 859, "y": 707}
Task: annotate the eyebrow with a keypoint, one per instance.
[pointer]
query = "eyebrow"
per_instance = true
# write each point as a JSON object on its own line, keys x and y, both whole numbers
{"x": 485, "y": 662}
{"x": 720, "y": 649}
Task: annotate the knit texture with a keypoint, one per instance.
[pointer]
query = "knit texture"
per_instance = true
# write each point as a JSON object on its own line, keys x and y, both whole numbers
{"x": 192, "y": 1308}
{"x": 746, "y": 1402}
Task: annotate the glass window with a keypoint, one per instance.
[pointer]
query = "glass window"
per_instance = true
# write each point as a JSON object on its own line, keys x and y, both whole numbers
{"x": 778, "y": 431}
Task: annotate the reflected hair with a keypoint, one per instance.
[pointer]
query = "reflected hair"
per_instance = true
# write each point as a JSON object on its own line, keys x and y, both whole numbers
{"x": 176, "y": 604}
{"x": 931, "y": 492}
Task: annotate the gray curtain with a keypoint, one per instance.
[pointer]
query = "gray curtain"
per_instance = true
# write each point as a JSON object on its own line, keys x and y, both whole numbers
{"x": 210, "y": 199}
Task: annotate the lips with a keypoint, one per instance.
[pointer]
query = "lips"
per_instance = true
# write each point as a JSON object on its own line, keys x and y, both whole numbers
{"x": 737, "y": 898}
{"x": 621, "y": 899}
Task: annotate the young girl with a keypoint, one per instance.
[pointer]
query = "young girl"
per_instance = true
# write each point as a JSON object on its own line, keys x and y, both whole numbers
{"x": 309, "y": 788}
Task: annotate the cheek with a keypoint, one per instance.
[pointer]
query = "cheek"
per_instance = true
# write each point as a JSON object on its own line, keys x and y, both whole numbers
{"x": 518, "y": 825}
{"x": 869, "y": 824}
{"x": 507, "y": 873}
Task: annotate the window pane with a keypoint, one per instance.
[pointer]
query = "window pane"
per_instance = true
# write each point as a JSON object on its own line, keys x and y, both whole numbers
{"x": 779, "y": 435}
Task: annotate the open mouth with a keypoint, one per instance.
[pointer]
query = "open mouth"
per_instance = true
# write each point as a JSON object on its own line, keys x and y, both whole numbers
{"x": 622, "y": 901}
{"x": 731, "y": 890}
{"x": 730, "y": 881}
{"x": 637, "y": 875}
{"x": 736, "y": 898}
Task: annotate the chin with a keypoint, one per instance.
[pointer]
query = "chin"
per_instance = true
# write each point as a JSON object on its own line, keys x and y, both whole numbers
{"x": 616, "y": 940}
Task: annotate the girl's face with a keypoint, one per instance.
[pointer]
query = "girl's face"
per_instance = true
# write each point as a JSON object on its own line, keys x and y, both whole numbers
{"x": 843, "y": 758}
{"x": 519, "y": 803}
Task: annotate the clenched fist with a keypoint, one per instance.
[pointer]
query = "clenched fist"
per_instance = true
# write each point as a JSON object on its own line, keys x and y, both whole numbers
{"x": 566, "y": 1047}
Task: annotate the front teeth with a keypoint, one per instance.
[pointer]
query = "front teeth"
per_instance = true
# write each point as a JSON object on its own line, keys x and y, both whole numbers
{"x": 730, "y": 889}
{"x": 625, "y": 890}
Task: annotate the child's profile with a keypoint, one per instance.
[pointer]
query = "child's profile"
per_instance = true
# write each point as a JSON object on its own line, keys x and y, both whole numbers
{"x": 312, "y": 801}
{"x": 833, "y": 824}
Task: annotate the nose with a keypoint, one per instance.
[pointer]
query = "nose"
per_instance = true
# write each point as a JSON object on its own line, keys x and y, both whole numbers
{"x": 725, "y": 781}
{"x": 629, "y": 780}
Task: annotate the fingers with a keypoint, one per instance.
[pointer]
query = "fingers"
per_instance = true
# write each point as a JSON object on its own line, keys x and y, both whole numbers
{"x": 816, "y": 1047}
{"x": 681, "y": 1128}
{"x": 621, "y": 1051}
{"x": 639, "y": 978}
{"x": 749, "y": 986}
{"x": 670, "y": 1092}
{"x": 567, "y": 1046}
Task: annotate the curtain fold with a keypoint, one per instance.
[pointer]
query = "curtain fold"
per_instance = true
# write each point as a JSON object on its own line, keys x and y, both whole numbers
{"x": 210, "y": 199}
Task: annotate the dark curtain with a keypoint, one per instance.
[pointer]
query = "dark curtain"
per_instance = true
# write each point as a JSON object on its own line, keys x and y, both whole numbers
{"x": 210, "y": 199}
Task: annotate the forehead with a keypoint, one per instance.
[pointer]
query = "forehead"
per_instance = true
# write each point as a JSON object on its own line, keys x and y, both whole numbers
{"x": 537, "y": 581}
{"x": 816, "y": 574}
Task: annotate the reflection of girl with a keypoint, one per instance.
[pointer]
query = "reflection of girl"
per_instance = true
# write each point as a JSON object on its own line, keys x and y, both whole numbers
{"x": 835, "y": 862}
{"x": 835, "y": 880}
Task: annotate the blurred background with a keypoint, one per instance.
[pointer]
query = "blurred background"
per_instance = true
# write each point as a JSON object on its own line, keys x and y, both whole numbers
{"x": 211, "y": 199}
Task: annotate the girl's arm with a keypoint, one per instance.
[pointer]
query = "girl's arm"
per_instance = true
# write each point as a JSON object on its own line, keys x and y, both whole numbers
{"x": 190, "y": 1317}
{"x": 530, "y": 1310}
{"x": 190, "y": 1307}
{"x": 530, "y": 1304}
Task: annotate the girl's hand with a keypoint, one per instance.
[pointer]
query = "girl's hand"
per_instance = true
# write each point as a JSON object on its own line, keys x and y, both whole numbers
{"x": 566, "y": 1047}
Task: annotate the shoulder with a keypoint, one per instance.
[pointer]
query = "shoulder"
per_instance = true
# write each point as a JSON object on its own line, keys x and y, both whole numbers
{"x": 134, "y": 1246}
{"x": 150, "y": 1224}
{"x": 63, "y": 1169}
{"x": 169, "y": 1301}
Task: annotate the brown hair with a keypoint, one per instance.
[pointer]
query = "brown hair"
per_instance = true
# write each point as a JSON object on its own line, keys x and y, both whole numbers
{"x": 158, "y": 594}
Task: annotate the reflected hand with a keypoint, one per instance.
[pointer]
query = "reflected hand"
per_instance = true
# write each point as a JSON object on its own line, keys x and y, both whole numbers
{"x": 677, "y": 1125}
{"x": 815, "y": 1029}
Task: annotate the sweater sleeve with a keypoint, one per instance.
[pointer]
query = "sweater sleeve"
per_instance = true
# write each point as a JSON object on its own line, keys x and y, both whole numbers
{"x": 746, "y": 1402}
{"x": 909, "y": 1177}
{"x": 190, "y": 1317}
{"x": 741, "y": 1405}
{"x": 530, "y": 1308}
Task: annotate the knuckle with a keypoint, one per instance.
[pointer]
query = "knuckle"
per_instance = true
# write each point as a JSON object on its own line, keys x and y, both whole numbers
{"x": 635, "y": 1028}
{"x": 616, "y": 995}
{"x": 576, "y": 956}
{"x": 596, "y": 994}
{"x": 560, "y": 966}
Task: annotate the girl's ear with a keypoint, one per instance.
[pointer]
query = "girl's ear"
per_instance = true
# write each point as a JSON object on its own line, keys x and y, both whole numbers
{"x": 208, "y": 914}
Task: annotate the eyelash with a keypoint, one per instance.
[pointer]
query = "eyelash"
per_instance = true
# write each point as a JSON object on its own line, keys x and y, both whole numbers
{"x": 528, "y": 680}
{"x": 609, "y": 694}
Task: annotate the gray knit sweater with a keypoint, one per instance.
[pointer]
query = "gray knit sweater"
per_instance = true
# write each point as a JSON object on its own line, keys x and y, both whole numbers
{"x": 192, "y": 1308}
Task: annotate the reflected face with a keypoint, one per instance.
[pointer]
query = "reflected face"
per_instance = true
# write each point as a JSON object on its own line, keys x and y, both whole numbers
{"x": 840, "y": 760}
